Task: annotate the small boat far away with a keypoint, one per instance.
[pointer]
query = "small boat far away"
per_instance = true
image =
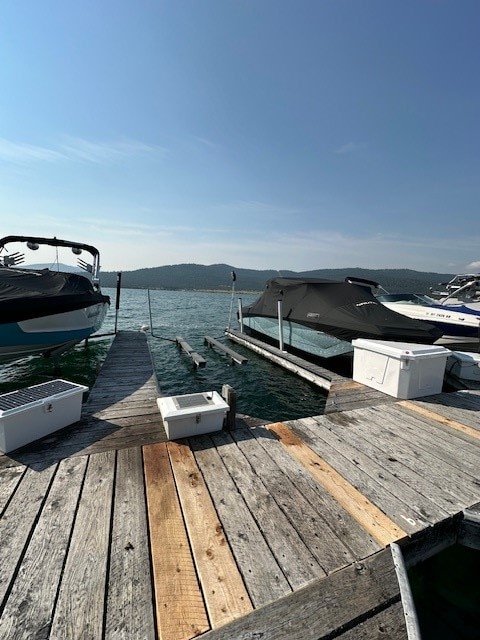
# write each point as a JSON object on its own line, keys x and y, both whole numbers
{"x": 45, "y": 310}
{"x": 464, "y": 288}
{"x": 321, "y": 317}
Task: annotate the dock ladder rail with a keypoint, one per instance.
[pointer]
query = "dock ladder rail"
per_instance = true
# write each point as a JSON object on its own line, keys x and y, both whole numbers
{"x": 409, "y": 610}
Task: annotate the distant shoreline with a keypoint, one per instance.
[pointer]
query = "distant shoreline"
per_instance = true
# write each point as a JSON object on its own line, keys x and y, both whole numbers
{"x": 247, "y": 291}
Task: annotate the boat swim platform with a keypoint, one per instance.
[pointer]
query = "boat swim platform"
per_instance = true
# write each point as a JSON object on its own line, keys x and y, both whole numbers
{"x": 274, "y": 531}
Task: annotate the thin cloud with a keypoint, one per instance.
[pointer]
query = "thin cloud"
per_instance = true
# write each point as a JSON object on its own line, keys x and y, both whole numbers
{"x": 106, "y": 152}
{"x": 255, "y": 207}
{"x": 205, "y": 142}
{"x": 20, "y": 153}
{"x": 76, "y": 149}
{"x": 349, "y": 147}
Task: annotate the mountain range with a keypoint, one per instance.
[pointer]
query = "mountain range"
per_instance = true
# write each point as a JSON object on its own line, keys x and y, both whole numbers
{"x": 219, "y": 277}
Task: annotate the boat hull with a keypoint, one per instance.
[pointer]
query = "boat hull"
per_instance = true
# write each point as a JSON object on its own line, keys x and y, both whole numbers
{"x": 458, "y": 326}
{"x": 299, "y": 337}
{"x": 49, "y": 334}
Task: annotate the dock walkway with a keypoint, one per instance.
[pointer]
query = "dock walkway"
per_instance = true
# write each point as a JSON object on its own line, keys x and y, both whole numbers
{"x": 274, "y": 531}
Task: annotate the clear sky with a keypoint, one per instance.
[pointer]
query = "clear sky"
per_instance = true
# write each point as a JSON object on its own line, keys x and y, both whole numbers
{"x": 297, "y": 134}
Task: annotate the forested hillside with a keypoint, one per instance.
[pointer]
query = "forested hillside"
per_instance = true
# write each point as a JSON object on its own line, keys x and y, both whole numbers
{"x": 219, "y": 277}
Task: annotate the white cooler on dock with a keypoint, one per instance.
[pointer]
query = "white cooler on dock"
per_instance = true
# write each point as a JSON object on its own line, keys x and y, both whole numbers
{"x": 32, "y": 413}
{"x": 399, "y": 369}
{"x": 192, "y": 414}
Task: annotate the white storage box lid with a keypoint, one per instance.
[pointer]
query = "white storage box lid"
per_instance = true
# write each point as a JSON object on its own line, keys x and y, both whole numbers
{"x": 178, "y": 406}
{"x": 400, "y": 350}
{"x": 25, "y": 399}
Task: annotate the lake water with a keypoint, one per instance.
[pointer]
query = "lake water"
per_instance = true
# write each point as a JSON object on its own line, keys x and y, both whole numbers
{"x": 263, "y": 389}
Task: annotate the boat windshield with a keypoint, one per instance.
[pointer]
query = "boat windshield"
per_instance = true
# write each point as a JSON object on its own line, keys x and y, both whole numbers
{"x": 406, "y": 298}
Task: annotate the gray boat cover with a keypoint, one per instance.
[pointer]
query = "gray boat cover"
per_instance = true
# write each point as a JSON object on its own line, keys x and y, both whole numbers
{"x": 341, "y": 309}
{"x": 26, "y": 294}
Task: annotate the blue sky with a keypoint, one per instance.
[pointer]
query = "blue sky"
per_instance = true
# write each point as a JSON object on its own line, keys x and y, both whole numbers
{"x": 260, "y": 133}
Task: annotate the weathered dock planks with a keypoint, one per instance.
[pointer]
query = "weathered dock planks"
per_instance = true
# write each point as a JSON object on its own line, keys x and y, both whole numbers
{"x": 331, "y": 608}
{"x": 180, "y": 608}
{"x": 226, "y": 597}
{"x": 372, "y": 519}
{"x": 276, "y": 531}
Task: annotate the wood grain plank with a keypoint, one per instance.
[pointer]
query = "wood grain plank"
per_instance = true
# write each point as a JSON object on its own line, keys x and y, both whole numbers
{"x": 444, "y": 442}
{"x": 222, "y": 584}
{"x": 436, "y": 417}
{"x": 80, "y": 606}
{"x": 324, "y": 609}
{"x": 407, "y": 484}
{"x": 395, "y": 489}
{"x": 426, "y": 460}
{"x": 388, "y": 623}
{"x": 463, "y": 406}
{"x": 9, "y": 480}
{"x": 129, "y": 607}
{"x": 18, "y": 521}
{"x": 343, "y": 525}
{"x": 261, "y": 572}
{"x": 30, "y": 605}
{"x": 329, "y": 551}
{"x": 181, "y": 612}
{"x": 369, "y": 515}
{"x": 298, "y": 563}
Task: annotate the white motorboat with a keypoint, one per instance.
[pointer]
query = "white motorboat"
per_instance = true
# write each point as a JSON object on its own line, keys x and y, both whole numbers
{"x": 46, "y": 310}
{"x": 459, "y": 323}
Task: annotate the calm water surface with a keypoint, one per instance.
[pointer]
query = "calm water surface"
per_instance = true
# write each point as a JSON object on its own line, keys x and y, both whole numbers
{"x": 263, "y": 389}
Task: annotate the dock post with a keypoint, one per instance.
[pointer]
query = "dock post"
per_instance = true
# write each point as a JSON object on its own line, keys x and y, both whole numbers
{"x": 240, "y": 314}
{"x": 230, "y": 396}
{"x": 117, "y": 299}
{"x": 280, "y": 325}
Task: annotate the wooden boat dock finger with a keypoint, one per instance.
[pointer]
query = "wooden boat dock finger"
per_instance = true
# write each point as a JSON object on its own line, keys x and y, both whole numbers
{"x": 273, "y": 531}
{"x": 233, "y": 355}
{"x": 198, "y": 360}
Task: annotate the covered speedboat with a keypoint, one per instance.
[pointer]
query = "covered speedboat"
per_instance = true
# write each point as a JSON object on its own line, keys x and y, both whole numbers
{"x": 320, "y": 317}
{"x": 46, "y": 310}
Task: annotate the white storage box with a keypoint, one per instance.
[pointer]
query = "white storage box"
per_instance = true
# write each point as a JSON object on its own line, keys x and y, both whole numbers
{"x": 192, "y": 414}
{"x": 29, "y": 414}
{"x": 463, "y": 365}
{"x": 399, "y": 369}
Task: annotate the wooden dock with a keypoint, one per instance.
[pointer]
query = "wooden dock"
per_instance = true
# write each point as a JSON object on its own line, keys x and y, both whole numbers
{"x": 277, "y": 531}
